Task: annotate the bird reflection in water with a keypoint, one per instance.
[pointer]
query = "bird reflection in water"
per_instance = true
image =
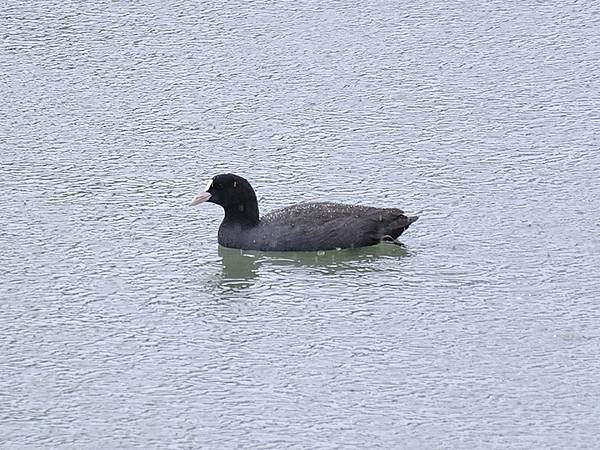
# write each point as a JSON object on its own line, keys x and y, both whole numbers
{"x": 241, "y": 267}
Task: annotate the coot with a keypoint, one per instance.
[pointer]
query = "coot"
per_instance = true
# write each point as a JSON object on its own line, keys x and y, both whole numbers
{"x": 301, "y": 227}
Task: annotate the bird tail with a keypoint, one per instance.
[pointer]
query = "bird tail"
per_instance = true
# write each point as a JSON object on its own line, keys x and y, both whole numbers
{"x": 399, "y": 225}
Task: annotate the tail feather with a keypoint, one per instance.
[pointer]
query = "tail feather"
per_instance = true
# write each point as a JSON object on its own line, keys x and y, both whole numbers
{"x": 398, "y": 226}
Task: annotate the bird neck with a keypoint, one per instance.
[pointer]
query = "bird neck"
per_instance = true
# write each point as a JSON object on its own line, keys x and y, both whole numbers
{"x": 245, "y": 212}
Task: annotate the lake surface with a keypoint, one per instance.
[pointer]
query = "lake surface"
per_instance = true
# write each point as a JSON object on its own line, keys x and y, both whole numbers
{"x": 124, "y": 323}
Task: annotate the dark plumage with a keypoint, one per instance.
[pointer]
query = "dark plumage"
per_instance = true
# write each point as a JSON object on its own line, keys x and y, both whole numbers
{"x": 304, "y": 226}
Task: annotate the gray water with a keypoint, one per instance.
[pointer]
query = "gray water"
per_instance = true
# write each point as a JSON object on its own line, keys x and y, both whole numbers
{"x": 125, "y": 325}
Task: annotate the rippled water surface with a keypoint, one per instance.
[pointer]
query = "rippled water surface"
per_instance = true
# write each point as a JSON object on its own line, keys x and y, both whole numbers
{"x": 125, "y": 325}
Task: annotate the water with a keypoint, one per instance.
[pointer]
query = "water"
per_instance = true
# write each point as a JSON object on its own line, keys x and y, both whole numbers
{"x": 125, "y": 325}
